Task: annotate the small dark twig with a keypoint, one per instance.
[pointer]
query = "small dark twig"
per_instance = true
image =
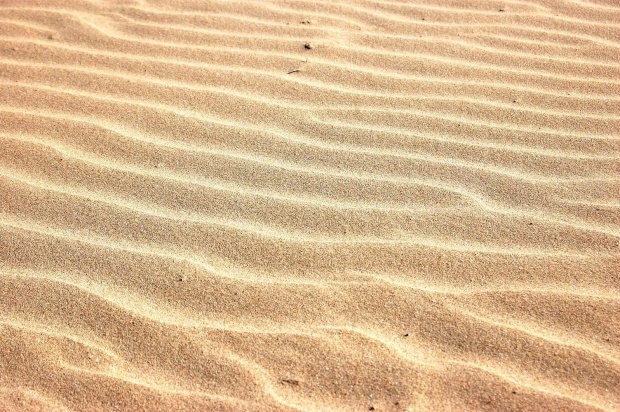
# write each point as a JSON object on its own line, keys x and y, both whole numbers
{"x": 294, "y": 71}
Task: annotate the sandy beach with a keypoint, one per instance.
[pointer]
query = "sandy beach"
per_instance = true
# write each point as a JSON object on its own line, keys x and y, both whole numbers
{"x": 344, "y": 205}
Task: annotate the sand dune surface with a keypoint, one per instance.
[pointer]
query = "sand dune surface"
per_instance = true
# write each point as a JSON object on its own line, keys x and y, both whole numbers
{"x": 309, "y": 205}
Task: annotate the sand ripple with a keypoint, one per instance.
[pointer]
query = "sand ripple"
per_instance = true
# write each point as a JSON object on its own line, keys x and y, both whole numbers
{"x": 309, "y": 205}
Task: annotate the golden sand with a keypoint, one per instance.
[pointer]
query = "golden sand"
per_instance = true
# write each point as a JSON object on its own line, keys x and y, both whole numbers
{"x": 309, "y": 205}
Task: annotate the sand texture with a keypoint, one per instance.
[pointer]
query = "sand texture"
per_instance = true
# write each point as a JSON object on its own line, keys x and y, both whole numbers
{"x": 309, "y": 205}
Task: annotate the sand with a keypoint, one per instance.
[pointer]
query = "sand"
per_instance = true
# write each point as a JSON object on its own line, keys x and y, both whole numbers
{"x": 309, "y": 205}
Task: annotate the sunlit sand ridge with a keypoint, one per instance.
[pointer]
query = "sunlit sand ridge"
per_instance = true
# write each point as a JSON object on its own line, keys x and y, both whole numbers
{"x": 309, "y": 205}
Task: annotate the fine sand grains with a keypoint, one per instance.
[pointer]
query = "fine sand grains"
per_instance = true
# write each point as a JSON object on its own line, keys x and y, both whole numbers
{"x": 312, "y": 205}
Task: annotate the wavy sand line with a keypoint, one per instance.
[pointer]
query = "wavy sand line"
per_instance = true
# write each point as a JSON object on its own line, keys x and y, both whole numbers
{"x": 209, "y": 118}
{"x": 486, "y": 204}
{"x": 372, "y": 50}
{"x": 315, "y": 83}
{"x": 292, "y": 105}
{"x": 318, "y": 144}
{"x": 588, "y": 227}
{"x": 98, "y": 25}
{"x": 382, "y": 340}
{"x": 414, "y": 212}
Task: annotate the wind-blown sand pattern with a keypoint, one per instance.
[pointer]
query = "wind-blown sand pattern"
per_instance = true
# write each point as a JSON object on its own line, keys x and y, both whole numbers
{"x": 309, "y": 205}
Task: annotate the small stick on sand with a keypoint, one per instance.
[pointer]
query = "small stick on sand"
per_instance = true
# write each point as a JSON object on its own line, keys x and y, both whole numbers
{"x": 294, "y": 71}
